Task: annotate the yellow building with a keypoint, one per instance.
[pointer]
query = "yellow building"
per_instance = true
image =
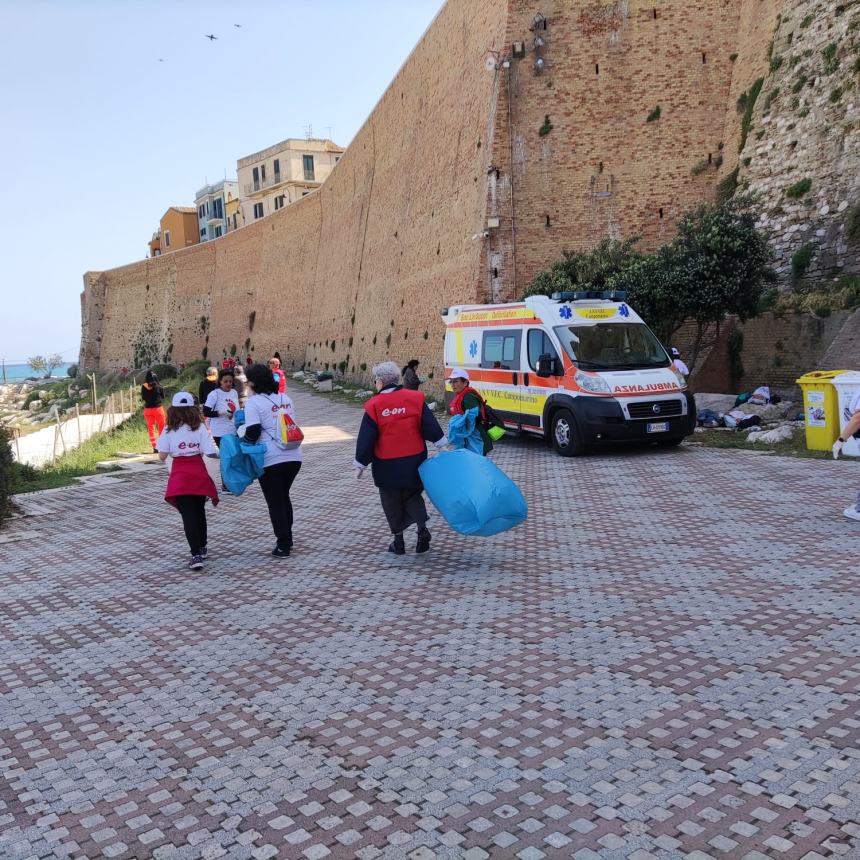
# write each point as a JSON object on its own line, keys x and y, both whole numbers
{"x": 233, "y": 213}
{"x": 177, "y": 229}
{"x": 283, "y": 173}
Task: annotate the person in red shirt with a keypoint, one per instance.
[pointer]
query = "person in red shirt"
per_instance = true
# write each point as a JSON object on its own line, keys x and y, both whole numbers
{"x": 394, "y": 431}
{"x": 280, "y": 376}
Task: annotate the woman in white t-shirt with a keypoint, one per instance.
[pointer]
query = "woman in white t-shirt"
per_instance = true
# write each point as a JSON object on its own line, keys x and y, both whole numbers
{"x": 220, "y": 406}
{"x": 186, "y": 440}
{"x": 280, "y": 467}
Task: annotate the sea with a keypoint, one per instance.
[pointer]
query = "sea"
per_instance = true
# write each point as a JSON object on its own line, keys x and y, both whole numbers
{"x": 20, "y": 372}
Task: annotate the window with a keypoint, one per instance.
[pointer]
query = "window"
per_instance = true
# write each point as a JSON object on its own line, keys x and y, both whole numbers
{"x": 279, "y": 202}
{"x": 202, "y": 232}
{"x": 167, "y": 238}
{"x": 258, "y": 210}
{"x": 218, "y": 208}
{"x": 200, "y": 211}
{"x": 308, "y": 164}
{"x": 501, "y": 350}
{"x": 262, "y": 173}
{"x": 256, "y": 174}
{"x": 217, "y": 231}
{"x": 539, "y": 344}
{"x": 277, "y": 168}
{"x": 612, "y": 346}
{"x": 336, "y": 159}
{"x": 234, "y": 220}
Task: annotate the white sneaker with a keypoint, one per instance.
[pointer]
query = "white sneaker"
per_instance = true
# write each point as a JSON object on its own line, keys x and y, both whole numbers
{"x": 852, "y": 513}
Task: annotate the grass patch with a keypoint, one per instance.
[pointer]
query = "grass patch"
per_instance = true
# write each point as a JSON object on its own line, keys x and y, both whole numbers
{"x": 654, "y": 115}
{"x": 794, "y": 447}
{"x": 799, "y": 189}
{"x": 130, "y": 436}
{"x": 800, "y": 261}
{"x": 831, "y": 62}
{"x": 748, "y": 100}
{"x": 852, "y": 223}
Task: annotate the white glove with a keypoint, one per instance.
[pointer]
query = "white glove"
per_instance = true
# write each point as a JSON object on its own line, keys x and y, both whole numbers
{"x": 442, "y": 443}
{"x": 359, "y": 468}
{"x": 837, "y": 448}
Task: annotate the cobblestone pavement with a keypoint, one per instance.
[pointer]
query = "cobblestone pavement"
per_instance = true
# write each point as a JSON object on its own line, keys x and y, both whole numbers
{"x": 663, "y": 663}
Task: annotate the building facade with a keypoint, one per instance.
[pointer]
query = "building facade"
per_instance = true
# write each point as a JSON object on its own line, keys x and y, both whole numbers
{"x": 211, "y": 202}
{"x": 177, "y": 229}
{"x": 283, "y": 173}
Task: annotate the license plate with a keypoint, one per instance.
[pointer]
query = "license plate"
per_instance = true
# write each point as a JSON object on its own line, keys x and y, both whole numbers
{"x": 657, "y": 427}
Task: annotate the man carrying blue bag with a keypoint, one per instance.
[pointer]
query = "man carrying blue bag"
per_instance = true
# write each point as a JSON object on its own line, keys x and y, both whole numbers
{"x": 393, "y": 436}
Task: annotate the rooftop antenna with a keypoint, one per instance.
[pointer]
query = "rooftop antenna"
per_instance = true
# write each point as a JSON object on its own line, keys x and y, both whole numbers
{"x": 309, "y": 132}
{"x": 328, "y": 129}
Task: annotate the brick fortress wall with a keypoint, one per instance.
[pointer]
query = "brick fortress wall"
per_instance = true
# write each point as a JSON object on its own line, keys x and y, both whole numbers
{"x": 357, "y": 272}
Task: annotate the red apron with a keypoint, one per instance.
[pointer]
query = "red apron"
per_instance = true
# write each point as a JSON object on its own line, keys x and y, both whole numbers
{"x": 188, "y": 477}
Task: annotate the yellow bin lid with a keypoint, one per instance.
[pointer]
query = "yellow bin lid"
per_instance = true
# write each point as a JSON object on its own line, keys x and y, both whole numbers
{"x": 819, "y": 376}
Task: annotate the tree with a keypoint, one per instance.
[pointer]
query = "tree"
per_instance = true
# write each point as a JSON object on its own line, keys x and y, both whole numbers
{"x": 43, "y": 365}
{"x": 586, "y": 270}
{"x": 717, "y": 265}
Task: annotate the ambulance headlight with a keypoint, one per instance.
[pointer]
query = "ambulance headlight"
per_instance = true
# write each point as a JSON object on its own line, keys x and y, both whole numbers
{"x": 681, "y": 379}
{"x": 594, "y": 384}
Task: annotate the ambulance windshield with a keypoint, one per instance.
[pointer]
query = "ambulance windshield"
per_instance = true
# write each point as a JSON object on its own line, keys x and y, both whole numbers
{"x": 612, "y": 346}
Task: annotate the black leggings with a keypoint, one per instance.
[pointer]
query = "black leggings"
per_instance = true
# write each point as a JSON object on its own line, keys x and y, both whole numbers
{"x": 193, "y": 510}
{"x": 275, "y": 482}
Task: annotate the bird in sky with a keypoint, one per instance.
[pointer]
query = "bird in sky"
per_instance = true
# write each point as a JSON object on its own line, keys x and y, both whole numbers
{"x": 210, "y": 37}
{"x": 237, "y": 25}
{"x": 160, "y": 60}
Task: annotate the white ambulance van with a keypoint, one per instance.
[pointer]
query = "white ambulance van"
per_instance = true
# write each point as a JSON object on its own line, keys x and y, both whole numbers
{"x": 579, "y": 369}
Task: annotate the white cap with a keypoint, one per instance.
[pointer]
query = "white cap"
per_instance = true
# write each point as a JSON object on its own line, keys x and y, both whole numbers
{"x": 675, "y": 352}
{"x": 182, "y": 398}
{"x": 459, "y": 373}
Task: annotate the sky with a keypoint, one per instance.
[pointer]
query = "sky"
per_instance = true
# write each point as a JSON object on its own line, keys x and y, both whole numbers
{"x": 99, "y": 137}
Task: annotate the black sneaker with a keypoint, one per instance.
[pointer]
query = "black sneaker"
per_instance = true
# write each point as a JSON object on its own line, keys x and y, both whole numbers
{"x": 196, "y": 562}
{"x": 423, "y": 541}
{"x": 204, "y": 552}
{"x": 397, "y": 546}
{"x": 277, "y": 552}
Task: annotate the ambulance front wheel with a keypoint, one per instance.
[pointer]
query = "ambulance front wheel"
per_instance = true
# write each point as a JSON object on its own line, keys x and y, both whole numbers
{"x": 565, "y": 436}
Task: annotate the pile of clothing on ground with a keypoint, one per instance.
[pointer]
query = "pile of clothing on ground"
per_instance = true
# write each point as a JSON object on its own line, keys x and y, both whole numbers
{"x": 764, "y": 415}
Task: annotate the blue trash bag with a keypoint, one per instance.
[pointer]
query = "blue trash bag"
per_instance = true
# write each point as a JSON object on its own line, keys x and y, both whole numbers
{"x": 238, "y": 418}
{"x": 241, "y": 463}
{"x": 463, "y": 431}
{"x": 472, "y": 493}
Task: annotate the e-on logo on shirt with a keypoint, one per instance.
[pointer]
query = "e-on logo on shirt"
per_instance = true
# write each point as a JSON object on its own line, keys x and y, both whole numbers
{"x": 398, "y": 410}
{"x": 183, "y": 445}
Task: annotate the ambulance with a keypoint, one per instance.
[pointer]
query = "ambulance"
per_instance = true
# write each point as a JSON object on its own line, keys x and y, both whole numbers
{"x": 579, "y": 369}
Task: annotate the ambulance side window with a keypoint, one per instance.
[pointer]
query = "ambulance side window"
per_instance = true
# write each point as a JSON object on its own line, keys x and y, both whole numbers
{"x": 501, "y": 350}
{"x": 539, "y": 344}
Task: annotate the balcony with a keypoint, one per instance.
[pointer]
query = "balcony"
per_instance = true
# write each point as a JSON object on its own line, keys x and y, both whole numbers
{"x": 263, "y": 184}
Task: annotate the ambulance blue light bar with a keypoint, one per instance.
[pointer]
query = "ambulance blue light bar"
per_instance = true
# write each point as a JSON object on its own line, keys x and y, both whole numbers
{"x": 590, "y": 295}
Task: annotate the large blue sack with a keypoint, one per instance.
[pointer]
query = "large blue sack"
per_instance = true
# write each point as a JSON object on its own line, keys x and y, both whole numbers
{"x": 241, "y": 463}
{"x": 472, "y": 493}
{"x": 463, "y": 431}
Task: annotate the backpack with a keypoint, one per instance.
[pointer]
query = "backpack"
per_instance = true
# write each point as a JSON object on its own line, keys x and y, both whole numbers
{"x": 288, "y": 435}
{"x": 492, "y": 422}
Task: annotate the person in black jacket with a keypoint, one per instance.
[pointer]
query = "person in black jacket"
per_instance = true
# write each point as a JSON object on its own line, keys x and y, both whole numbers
{"x": 152, "y": 395}
{"x": 392, "y": 436}
{"x": 410, "y": 375}
{"x": 208, "y": 385}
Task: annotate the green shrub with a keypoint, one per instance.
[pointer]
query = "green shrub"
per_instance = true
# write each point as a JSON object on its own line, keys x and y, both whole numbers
{"x": 727, "y": 186}
{"x": 775, "y": 63}
{"x": 72, "y": 372}
{"x": 807, "y": 21}
{"x": 799, "y": 84}
{"x": 654, "y": 115}
{"x": 749, "y": 99}
{"x": 799, "y": 189}
{"x": 165, "y": 371}
{"x": 732, "y": 57}
{"x": 800, "y": 261}
{"x": 852, "y": 223}
{"x": 546, "y": 128}
{"x": 835, "y": 94}
{"x": 831, "y": 63}
{"x": 7, "y": 479}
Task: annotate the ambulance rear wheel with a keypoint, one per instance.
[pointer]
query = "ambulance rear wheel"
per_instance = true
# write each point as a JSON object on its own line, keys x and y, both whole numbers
{"x": 565, "y": 435}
